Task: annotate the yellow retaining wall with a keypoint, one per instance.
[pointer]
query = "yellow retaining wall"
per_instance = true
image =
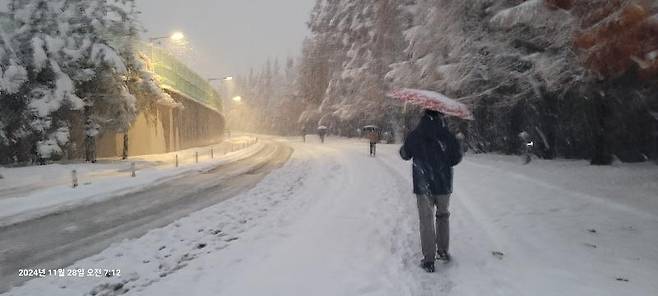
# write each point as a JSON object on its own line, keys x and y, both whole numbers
{"x": 167, "y": 130}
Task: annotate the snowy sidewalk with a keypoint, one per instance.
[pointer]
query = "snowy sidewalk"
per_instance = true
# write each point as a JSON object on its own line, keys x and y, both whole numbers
{"x": 334, "y": 221}
{"x": 30, "y": 192}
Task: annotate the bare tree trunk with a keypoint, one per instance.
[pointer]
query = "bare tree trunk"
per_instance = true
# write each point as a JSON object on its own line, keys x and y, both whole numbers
{"x": 124, "y": 155}
{"x": 602, "y": 155}
{"x": 90, "y": 138}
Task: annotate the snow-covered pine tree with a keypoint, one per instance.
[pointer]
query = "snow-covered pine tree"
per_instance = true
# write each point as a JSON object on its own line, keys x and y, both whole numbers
{"x": 14, "y": 114}
{"x": 40, "y": 43}
{"x": 354, "y": 28}
{"x": 286, "y": 106}
{"x": 357, "y": 40}
{"x": 291, "y": 105}
{"x": 503, "y": 57}
{"x": 514, "y": 61}
{"x": 82, "y": 69}
{"x": 322, "y": 57}
{"x": 313, "y": 76}
{"x": 102, "y": 74}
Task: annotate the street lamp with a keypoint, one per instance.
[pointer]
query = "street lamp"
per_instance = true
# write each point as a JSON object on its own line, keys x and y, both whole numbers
{"x": 227, "y": 78}
{"x": 176, "y": 37}
{"x": 227, "y": 85}
{"x": 237, "y": 99}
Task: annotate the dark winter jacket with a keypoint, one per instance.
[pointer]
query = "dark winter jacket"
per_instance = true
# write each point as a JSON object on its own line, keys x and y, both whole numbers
{"x": 373, "y": 137}
{"x": 434, "y": 151}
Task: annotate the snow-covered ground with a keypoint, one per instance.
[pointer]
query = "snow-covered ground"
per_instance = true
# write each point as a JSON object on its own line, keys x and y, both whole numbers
{"x": 334, "y": 221}
{"x": 30, "y": 192}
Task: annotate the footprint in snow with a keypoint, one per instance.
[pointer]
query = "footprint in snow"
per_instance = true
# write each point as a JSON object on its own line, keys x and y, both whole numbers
{"x": 629, "y": 228}
{"x": 498, "y": 254}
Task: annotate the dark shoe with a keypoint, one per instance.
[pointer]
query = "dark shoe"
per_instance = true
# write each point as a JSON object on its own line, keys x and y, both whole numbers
{"x": 428, "y": 266}
{"x": 443, "y": 256}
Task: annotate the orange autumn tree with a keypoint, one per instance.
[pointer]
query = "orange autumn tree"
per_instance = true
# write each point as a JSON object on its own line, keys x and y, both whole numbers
{"x": 615, "y": 36}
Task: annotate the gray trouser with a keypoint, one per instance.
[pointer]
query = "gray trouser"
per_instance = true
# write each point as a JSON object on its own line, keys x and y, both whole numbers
{"x": 433, "y": 237}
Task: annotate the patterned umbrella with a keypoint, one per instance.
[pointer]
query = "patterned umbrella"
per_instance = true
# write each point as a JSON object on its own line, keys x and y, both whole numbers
{"x": 433, "y": 101}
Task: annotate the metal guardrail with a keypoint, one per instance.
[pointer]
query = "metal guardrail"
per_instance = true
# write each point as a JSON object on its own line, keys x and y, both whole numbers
{"x": 176, "y": 76}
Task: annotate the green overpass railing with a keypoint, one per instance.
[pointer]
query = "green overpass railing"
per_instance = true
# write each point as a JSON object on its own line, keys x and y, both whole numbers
{"x": 176, "y": 76}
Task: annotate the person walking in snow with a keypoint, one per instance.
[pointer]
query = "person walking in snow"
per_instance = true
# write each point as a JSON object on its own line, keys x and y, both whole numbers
{"x": 434, "y": 150}
{"x": 526, "y": 147}
{"x": 322, "y": 132}
{"x": 373, "y": 138}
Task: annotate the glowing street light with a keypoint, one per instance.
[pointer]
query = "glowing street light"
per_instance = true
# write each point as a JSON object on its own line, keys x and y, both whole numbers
{"x": 237, "y": 99}
{"x": 227, "y": 78}
{"x": 176, "y": 37}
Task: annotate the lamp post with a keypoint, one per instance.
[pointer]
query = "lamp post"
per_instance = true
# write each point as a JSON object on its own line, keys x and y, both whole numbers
{"x": 227, "y": 78}
{"x": 235, "y": 111}
{"x": 225, "y": 88}
{"x": 176, "y": 37}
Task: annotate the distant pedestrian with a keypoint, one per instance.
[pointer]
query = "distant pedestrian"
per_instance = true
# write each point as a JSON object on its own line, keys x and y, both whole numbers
{"x": 304, "y": 134}
{"x": 322, "y": 132}
{"x": 373, "y": 138}
{"x": 434, "y": 151}
{"x": 526, "y": 147}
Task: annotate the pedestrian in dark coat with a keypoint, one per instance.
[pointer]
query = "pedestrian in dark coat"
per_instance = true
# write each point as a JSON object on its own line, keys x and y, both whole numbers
{"x": 322, "y": 132}
{"x": 373, "y": 138}
{"x": 434, "y": 151}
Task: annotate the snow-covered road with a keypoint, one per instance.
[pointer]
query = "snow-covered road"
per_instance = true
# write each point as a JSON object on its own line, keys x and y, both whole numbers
{"x": 334, "y": 221}
{"x": 66, "y": 235}
{"x": 27, "y": 193}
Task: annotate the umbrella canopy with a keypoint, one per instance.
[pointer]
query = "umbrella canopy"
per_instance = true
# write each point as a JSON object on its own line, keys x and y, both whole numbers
{"x": 322, "y": 127}
{"x": 370, "y": 127}
{"x": 433, "y": 101}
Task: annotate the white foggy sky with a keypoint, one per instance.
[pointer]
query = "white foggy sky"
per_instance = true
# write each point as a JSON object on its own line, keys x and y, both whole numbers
{"x": 229, "y": 37}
